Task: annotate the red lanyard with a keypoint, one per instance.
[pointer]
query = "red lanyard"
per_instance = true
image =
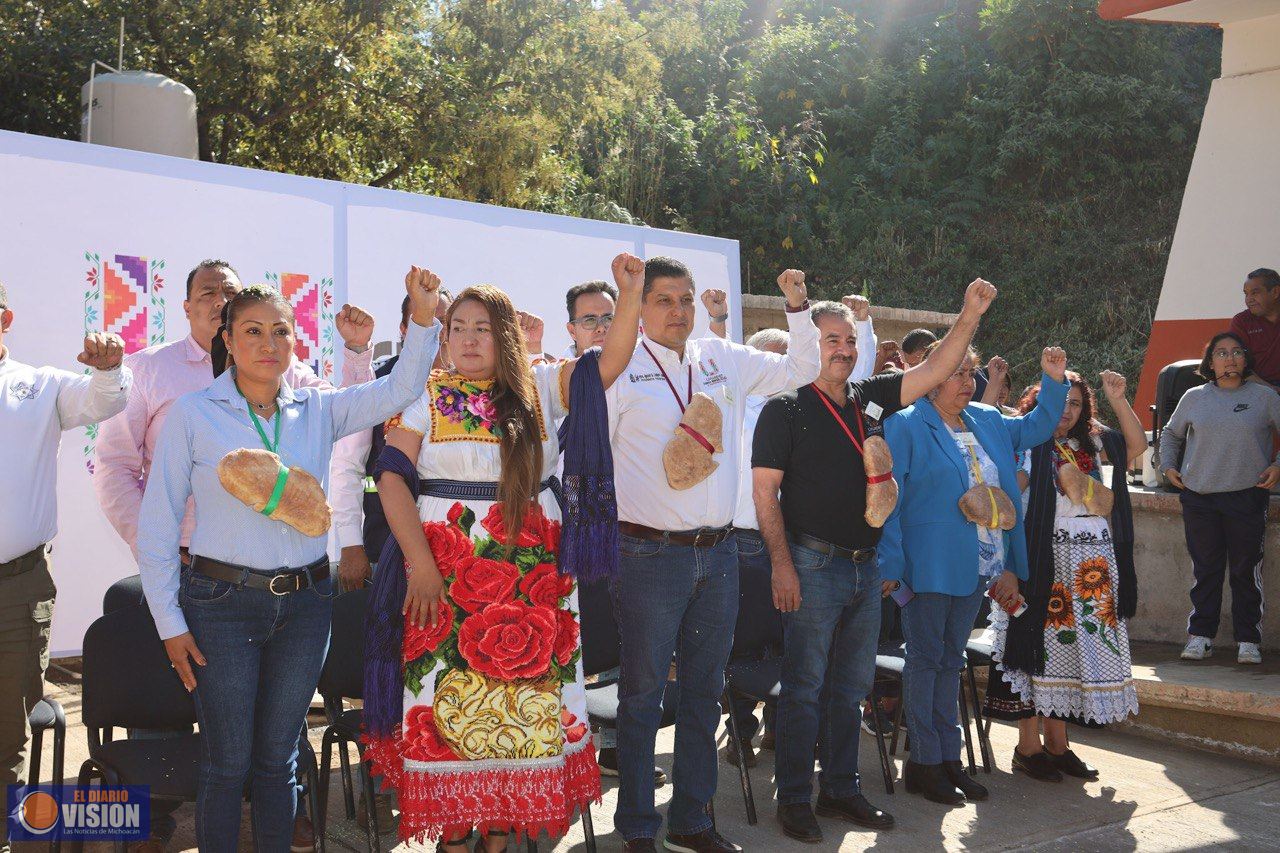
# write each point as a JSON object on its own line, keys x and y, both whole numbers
{"x": 857, "y": 410}
{"x": 674, "y": 393}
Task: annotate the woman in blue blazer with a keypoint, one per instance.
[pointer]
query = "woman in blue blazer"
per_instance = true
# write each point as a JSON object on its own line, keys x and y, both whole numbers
{"x": 928, "y": 545}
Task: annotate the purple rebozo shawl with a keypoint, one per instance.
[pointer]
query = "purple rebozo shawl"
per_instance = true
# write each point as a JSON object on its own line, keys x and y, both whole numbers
{"x": 588, "y": 540}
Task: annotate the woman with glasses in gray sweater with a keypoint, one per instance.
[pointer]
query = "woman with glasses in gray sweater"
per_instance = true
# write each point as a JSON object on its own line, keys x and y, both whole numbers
{"x": 1217, "y": 449}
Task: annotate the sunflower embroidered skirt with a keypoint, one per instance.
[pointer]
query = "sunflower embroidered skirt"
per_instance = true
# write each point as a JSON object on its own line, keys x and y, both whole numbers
{"x": 1087, "y": 677}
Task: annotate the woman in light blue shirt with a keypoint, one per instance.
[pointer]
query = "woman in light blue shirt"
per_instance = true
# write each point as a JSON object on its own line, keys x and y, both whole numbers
{"x": 252, "y": 610}
{"x": 943, "y": 446}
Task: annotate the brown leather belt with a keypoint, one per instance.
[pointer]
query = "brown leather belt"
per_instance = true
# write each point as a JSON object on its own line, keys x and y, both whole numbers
{"x": 827, "y": 549}
{"x": 706, "y": 538}
{"x": 282, "y": 582}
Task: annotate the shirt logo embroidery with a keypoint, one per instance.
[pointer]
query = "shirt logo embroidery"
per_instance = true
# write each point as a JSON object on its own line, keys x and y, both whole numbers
{"x": 1240, "y": 407}
{"x": 644, "y": 377}
{"x": 711, "y": 374}
{"x": 24, "y": 391}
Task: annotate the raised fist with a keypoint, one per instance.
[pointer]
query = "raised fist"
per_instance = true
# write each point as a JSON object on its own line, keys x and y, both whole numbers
{"x": 791, "y": 282}
{"x": 997, "y": 369}
{"x": 979, "y": 295}
{"x": 531, "y": 326}
{"x": 628, "y": 273}
{"x": 716, "y": 302}
{"x": 423, "y": 287}
{"x": 355, "y": 326}
{"x": 1114, "y": 384}
{"x": 102, "y": 351}
{"x": 859, "y": 305}
{"x": 1053, "y": 361}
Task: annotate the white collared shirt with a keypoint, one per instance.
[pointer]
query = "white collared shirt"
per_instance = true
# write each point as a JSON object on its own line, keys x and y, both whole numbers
{"x": 36, "y": 405}
{"x": 643, "y": 415}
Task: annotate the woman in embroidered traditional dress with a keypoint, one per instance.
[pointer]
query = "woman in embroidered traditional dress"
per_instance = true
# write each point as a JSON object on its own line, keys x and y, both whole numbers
{"x": 490, "y": 730}
{"x": 1067, "y": 657}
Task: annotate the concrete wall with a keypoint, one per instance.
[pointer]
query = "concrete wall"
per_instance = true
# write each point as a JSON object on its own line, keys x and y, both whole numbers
{"x": 1164, "y": 574}
{"x": 763, "y": 312}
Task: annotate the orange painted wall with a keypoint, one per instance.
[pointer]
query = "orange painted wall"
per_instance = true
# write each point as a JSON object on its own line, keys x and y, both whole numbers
{"x": 1172, "y": 340}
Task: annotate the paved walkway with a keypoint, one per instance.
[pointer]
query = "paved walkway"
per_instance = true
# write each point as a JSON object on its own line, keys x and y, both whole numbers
{"x": 1151, "y": 796}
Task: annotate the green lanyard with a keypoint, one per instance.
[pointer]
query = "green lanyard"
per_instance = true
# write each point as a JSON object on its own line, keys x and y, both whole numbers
{"x": 283, "y": 475}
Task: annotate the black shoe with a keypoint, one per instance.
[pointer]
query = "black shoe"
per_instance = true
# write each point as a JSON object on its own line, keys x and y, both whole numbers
{"x": 641, "y": 845}
{"x": 955, "y": 773}
{"x": 877, "y": 722}
{"x": 1070, "y": 764}
{"x": 1039, "y": 766}
{"x": 607, "y": 761}
{"x": 855, "y": 809}
{"x": 799, "y": 823}
{"x": 930, "y": 780}
{"x": 707, "y": 841}
{"x": 734, "y": 748}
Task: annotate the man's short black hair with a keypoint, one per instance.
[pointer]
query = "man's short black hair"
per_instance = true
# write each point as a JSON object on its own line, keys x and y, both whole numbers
{"x": 1206, "y": 364}
{"x": 597, "y": 286}
{"x": 917, "y": 339}
{"x": 663, "y": 267}
{"x": 1269, "y": 277}
{"x": 209, "y": 264}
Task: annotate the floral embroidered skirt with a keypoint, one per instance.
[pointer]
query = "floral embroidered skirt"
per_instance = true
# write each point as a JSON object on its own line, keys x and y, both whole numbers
{"x": 494, "y": 733}
{"x": 1087, "y": 675}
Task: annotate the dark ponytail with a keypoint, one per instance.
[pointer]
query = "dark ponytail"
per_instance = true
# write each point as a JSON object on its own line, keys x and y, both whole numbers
{"x": 218, "y": 353}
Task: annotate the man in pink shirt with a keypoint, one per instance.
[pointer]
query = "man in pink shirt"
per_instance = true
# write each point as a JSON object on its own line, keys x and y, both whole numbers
{"x": 127, "y": 441}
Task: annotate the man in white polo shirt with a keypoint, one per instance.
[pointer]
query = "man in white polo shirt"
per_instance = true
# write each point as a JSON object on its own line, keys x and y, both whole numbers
{"x": 677, "y": 587}
{"x": 37, "y": 404}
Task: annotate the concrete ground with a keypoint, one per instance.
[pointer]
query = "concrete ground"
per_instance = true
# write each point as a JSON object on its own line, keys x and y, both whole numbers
{"x": 1151, "y": 796}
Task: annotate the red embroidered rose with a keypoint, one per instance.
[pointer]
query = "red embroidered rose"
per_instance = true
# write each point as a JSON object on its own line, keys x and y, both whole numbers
{"x": 574, "y": 730}
{"x": 455, "y": 513}
{"x": 421, "y": 740}
{"x": 419, "y": 641}
{"x": 481, "y": 582}
{"x": 545, "y": 586}
{"x": 511, "y": 640}
{"x": 448, "y": 545}
{"x": 530, "y": 534}
{"x": 566, "y": 637}
{"x": 550, "y": 533}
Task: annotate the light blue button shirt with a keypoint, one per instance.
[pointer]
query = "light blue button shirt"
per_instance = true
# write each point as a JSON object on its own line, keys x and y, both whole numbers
{"x": 204, "y": 426}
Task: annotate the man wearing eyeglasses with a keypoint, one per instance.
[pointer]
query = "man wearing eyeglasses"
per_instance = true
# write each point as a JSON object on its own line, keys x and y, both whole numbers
{"x": 590, "y": 307}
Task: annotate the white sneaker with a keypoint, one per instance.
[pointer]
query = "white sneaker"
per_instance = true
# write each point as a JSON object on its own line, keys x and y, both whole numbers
{"x": 1249, "y": 653}
{"x": 1197, "y": 648}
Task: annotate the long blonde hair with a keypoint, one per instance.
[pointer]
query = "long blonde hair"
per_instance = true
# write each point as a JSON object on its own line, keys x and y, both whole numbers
{"x": 515, "y": 399}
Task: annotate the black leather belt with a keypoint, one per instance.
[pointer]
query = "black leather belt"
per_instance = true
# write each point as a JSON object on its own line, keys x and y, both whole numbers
{"x": 826, "y": 549}
{"x": 706, "y": 538}
{"x": 282, "y": 582}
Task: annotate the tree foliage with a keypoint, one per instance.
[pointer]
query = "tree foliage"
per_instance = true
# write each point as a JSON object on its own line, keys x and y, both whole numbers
{"x": 897, "y": 147}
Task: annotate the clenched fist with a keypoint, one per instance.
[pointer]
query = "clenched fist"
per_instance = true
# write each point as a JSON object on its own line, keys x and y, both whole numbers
{"x": 531, "y": 326}
{"x": 997, "y": 370}
{"x": 791, "y": 283}
{"x": 859, "y": 305}
{"x": 1114, "y": 384}
{"x": 716, "y": 302}
{"x": 628, "y": 273}
{"x": 355, "y": 326}
{"x": 102, "y": 351}
{"x": 1053, "y": 361}
{"x": 979, "y": 295}
{"x": 423, "y": 287}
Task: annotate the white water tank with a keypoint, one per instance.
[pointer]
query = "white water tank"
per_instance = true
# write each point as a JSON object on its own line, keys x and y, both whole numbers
{"x": 142, "y": 111}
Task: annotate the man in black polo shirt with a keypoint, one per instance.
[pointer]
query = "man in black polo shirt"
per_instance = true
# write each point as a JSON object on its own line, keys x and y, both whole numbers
{"x": 809, "y": 488}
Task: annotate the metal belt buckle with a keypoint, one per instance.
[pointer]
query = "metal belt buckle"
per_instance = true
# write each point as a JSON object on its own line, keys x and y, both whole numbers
{"x": 697, "y": 538}
{"x": 272, "y": 586}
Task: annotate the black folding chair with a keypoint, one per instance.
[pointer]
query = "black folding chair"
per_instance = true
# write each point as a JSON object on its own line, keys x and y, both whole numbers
{"x": 343, "y": 678}
{"x": 126, "y": 592}
{"x": 45, "y": 715}
{"x": 128, "y": 683}
{"x": 977, "y": 653}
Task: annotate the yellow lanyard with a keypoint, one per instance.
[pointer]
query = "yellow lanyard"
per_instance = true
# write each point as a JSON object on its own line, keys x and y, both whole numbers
{"x": 977, "y": 475}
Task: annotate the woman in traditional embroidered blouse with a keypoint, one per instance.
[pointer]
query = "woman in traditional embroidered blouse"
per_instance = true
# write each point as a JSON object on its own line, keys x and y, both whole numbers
{"x": 490, "y": 728}
{"x": 1067, "y": 657}
{"x": 246, "y": 626}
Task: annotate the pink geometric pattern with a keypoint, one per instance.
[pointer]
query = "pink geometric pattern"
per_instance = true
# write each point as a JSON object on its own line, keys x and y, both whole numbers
{"x": 304, "y": 295}
{"x": 124, "y": 304}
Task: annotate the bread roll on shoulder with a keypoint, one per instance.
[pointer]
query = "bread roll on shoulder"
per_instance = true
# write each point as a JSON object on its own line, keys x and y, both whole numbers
{"x": 684, "y": 459}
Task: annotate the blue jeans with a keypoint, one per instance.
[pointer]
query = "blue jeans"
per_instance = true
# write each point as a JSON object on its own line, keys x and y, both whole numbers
{"x": 264, "y": 654}
{"x": 683, "y": 600}
{"x": 937, "y": 628}
{"x": 828, "y": 665}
